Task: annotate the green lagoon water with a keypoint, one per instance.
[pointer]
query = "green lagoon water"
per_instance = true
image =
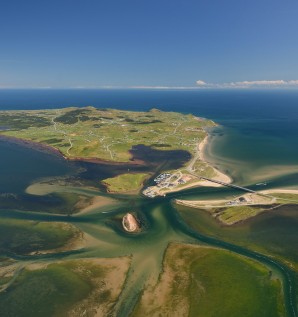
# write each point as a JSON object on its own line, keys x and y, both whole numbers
{"x": 256, "y": 142}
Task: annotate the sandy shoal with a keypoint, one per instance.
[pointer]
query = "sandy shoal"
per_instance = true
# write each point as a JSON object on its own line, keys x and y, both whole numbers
{"x": 97, "y": 202}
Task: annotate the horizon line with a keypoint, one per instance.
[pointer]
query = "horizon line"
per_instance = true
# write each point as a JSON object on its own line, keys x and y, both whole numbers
{"x": 212, "y": 87}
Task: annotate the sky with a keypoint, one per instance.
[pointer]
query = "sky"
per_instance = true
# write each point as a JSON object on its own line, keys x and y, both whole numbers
{"x": 156, "y": 43}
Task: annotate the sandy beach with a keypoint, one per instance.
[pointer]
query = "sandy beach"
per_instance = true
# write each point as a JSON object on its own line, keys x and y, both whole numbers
{"x": 220, "y": 176}
{"x": 196, "y": 181}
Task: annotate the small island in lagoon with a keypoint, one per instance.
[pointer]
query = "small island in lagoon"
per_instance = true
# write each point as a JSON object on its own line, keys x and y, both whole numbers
{"x": 145, "y": 156}
{"x": 130, "y": 223}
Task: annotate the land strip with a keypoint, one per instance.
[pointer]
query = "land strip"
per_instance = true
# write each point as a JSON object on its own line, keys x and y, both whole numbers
{"x": 233, "y": 210}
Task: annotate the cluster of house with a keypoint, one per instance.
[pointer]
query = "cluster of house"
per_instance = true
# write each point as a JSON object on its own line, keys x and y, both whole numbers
{"x": 161, "y": 177}
{"x": 240, "y": 200}
{"x": 166, "y": 180}
{"x": 152, "y": 191}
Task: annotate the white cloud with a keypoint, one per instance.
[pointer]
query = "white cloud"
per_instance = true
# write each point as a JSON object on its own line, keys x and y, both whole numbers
{"x": 161, "y": 87}
{"x": 250, "y": 84}
{"x": 261, "y": 83}
{"x": 201, "y": 83}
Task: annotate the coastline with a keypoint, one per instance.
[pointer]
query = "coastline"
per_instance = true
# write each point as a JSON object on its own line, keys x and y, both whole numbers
{"x": 199, "y": 155}
{"x": 195, "y": 179}
{"x": 33, "y": 145}
{"x": 39, "y": 146}
{"x": 220, "y": 176}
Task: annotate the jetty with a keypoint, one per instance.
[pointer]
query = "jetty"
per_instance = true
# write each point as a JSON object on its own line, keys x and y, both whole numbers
{"x": 227, "y": 184}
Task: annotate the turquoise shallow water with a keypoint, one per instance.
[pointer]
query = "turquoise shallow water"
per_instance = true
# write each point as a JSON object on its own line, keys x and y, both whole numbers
{"x": 255, "y": 142}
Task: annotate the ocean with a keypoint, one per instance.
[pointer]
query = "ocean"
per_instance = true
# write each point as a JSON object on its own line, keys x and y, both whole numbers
{"x": 256, "y": 139}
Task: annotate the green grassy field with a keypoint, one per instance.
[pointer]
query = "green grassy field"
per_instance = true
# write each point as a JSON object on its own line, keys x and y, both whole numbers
{"x": 24, "y": 236}
{"x": 282, "y": 197}
{"x": 235, "y": 214}
{"x": 125, "y": 182}
{"x": 205, "y": 282}
{"x": 69, "y": 288}
{"x": 105, "y": 133}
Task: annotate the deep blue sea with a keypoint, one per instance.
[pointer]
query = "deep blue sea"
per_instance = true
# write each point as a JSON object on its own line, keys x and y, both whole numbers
{"x": 256, "y": 139}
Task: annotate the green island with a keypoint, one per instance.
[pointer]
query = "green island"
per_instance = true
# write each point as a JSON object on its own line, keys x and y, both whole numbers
{"x": 129, "y": 233}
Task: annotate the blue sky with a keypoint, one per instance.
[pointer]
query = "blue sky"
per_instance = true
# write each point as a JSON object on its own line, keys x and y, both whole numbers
{"x": 95, "y": 43}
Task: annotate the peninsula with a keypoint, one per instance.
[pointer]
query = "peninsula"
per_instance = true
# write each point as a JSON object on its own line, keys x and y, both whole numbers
{"x": 119, "y": 137}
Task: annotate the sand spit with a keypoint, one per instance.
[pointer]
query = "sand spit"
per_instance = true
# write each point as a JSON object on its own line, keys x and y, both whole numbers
{"x": 279, "y": 191}
{"x": 238, "y": 209}
{"x": 248, "y": 199}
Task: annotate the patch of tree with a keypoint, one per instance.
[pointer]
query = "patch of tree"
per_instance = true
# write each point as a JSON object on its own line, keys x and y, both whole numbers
{"x": 53, "y": 141}
{"x": 84, "y": 118}
{"x": 64, "y": 145}
{"x": 72, "y": 116}
{"x": 21, "y": 121}
{"x": 87, "y": 118}
{"x": 142, "y": 122}
{"x": 148, "y": 122}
